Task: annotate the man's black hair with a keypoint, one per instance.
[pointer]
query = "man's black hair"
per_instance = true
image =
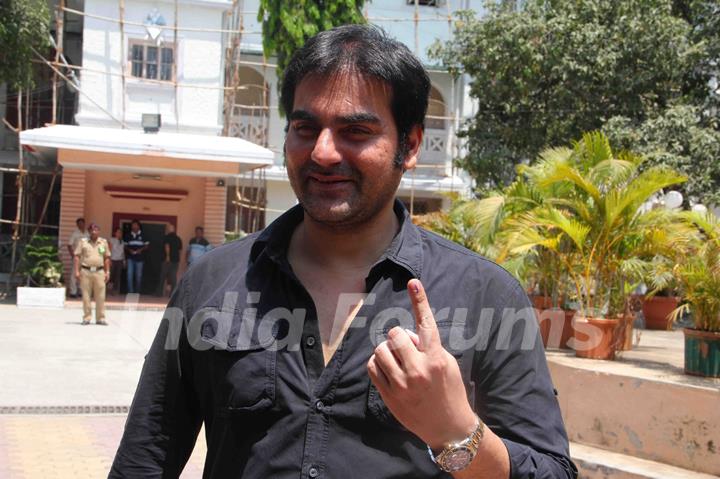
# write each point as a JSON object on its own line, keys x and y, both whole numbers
{"x": 200, "y": 228}
{"x": 368, "y": 51}
{"x": 136, "y": 221}
{"x": 77, "y": 221}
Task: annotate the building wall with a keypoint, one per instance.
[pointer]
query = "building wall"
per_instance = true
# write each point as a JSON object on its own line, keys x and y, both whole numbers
{"x": 280, "y": 198}
{"x": 72, "y": 207}
{"x": 214, "y": 211}
{"x": 84, "y": 195}
{"x": 199, "y": 60}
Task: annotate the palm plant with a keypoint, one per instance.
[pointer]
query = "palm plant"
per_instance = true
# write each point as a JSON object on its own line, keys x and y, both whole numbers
{"x": 595, "y": 226}
{"x": 699, "y": 275}
{"x": 41, "y": 264}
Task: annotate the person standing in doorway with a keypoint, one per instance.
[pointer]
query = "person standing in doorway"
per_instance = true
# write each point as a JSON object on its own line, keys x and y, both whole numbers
{"x": 197, "y": 246}
{"x": 117, "y": 259}
{"x": 74, "y": 240}
{"x": 92, "y": 269}
{"x": 135, "y": 246}
{"x": 172, "y": 244}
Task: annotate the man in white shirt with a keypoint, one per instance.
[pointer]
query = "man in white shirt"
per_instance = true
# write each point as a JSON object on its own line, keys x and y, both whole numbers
{"x": 74, "y": 240}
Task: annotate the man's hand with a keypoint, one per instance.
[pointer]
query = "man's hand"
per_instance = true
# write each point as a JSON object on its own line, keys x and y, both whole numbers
{"x": 420, "y": 381}
{"x": 107, "y": 276}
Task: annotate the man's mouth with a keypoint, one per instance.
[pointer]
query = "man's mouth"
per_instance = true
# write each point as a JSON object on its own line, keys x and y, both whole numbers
{"x": 328, "y": 179}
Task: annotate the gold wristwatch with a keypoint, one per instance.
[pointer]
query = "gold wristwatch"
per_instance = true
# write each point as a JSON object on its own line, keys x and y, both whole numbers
{"x": 457, "y": 456}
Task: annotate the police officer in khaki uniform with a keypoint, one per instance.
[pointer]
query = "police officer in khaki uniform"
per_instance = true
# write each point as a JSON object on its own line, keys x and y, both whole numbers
{"x": 92, "y": 268}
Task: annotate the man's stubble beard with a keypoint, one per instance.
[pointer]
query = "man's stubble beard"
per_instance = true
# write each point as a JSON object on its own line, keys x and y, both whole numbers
{"x": 358, "y": 212}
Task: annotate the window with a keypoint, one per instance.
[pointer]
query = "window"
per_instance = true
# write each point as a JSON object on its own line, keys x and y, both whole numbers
{"x": 148, "y": 60}
{"x": 427, "y": 3}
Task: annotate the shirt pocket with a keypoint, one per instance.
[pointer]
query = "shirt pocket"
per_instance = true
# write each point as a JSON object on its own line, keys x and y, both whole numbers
{"x": 244, "y": 377}
{"x": 376, "y": 408}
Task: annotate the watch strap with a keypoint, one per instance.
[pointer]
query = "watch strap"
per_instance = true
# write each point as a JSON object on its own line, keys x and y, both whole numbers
{"x": 471, "y": 444}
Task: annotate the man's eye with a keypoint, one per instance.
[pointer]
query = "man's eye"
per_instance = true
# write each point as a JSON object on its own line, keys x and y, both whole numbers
{"x": 305, "y": 129}
{"x": 357, "y": 131}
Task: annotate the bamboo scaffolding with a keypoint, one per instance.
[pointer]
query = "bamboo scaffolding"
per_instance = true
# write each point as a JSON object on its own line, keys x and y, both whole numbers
{"x": 123, "y": 57}
{"x": 252, "y": 198}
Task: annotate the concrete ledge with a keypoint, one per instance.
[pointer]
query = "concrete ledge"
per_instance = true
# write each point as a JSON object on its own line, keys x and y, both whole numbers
{"x": 673, "y": 419}
{"x": 594, "y": 463}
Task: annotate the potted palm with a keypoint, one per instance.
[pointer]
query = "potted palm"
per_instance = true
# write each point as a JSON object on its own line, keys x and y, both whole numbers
{"x": 670, "y": 242}
{"x": 663, "y": 299}
{"x": 43, "y": 275}
{"x": 699, "y": 279}
{"x": 597, "y": 229}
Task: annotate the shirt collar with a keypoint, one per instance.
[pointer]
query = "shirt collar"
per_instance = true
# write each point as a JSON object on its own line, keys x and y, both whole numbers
{"x": 405, "y": 250}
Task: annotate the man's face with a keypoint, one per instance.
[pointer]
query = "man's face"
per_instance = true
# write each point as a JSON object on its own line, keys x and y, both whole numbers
{"x": 198, "y": 233}
{"x": 340, "y": 146}
{"x": 81, "y": 225}
{"x": 94, "y": 233}
{"x": 135, "y": 227}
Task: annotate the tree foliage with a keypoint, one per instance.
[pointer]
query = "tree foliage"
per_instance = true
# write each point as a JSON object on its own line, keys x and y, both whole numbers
{"x": 287, "y": 24}
{"x": 680, "y": 138}
{"x": 24, "y": 26}
{"x": 546, "y": 72}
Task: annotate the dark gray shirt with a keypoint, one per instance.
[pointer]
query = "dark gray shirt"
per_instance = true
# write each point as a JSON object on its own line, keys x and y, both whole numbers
{"x": 239, "y": 351}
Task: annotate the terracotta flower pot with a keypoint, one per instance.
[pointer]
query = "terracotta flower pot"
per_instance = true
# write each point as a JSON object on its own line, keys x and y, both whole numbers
{"x": 594, "y": 338}
{"x": 702, "y": 353}
{"x": 624, "y": 333}
{"x": 657, "y": 311}
{"x": 568, "y": 330}
{"x": 541, "y": 302}
{"x": 555, "y": 327}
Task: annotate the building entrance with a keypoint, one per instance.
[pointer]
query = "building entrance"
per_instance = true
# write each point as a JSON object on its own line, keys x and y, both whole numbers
{"x": 153, "y": 228}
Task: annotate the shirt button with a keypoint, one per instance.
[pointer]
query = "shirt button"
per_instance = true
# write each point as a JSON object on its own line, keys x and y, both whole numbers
{"x": 313, "y": 472}
{"x": 319, "y": 406}
{"x": 310, "y": 341}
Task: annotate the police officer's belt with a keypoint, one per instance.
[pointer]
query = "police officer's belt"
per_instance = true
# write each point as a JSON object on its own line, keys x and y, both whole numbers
{"x": 92, "y": 269}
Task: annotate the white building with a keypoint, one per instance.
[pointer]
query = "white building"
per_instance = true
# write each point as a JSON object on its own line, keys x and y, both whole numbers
{"x": 449, "y": 104}
{"x": 176, "y": 59}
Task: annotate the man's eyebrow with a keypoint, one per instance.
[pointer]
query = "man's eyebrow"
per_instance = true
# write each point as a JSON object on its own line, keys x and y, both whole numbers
{"x": 302, "y": 115}
{"x": 362, "y": 117}
{"x": 359, "y": 118}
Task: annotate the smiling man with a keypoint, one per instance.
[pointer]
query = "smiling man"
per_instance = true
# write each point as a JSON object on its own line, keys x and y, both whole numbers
{"x": 343, "y": 341}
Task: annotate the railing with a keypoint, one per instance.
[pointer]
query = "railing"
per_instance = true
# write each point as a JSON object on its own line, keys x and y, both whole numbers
{"x": 435, "y": 157}
{"x": 249, "y": 124}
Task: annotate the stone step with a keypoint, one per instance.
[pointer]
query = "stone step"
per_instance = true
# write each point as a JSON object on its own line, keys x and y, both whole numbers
{"x": 595, "y": 463}
{"x": 643, "y": 410}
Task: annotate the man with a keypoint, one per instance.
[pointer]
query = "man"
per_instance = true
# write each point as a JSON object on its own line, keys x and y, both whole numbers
{"x": 172, "y": 244}
{"x": 197, "y": 246}
{"x": 92, "y": 269}
{"x": 79, "y": 233}
{"x": 286, "y": 344}
{"x": 135, "y": 246}
{"x": 117, "y": 259}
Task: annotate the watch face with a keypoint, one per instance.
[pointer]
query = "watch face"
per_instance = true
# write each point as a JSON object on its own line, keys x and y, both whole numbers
{"x": 458, "y": 459}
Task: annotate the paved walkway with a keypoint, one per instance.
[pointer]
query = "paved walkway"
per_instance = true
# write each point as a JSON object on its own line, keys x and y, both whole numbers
{"x": 67, "y": 447}
{"x": 51, "y": 365}
{"x": 49, "y": 362}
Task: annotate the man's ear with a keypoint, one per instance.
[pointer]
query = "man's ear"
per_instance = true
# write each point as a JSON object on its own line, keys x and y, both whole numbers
{"x": 412, "y": 145}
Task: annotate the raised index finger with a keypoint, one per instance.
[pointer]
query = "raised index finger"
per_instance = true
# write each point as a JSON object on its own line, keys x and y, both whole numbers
{"x": 424, "y": 319}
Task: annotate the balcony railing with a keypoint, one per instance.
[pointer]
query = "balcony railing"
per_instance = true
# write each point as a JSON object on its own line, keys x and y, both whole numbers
{"x": 250, "y": 124}
{"x": 435, "y": 158}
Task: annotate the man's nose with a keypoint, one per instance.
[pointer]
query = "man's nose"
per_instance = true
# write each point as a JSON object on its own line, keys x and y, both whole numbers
{"x": 325, "y": 152}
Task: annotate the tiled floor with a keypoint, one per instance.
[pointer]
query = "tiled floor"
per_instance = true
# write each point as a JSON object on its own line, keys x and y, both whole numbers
{"x": 67, "y": 446}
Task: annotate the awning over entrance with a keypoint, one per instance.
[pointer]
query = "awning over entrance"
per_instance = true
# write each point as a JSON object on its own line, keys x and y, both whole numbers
{"x": 135, "y": 151}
